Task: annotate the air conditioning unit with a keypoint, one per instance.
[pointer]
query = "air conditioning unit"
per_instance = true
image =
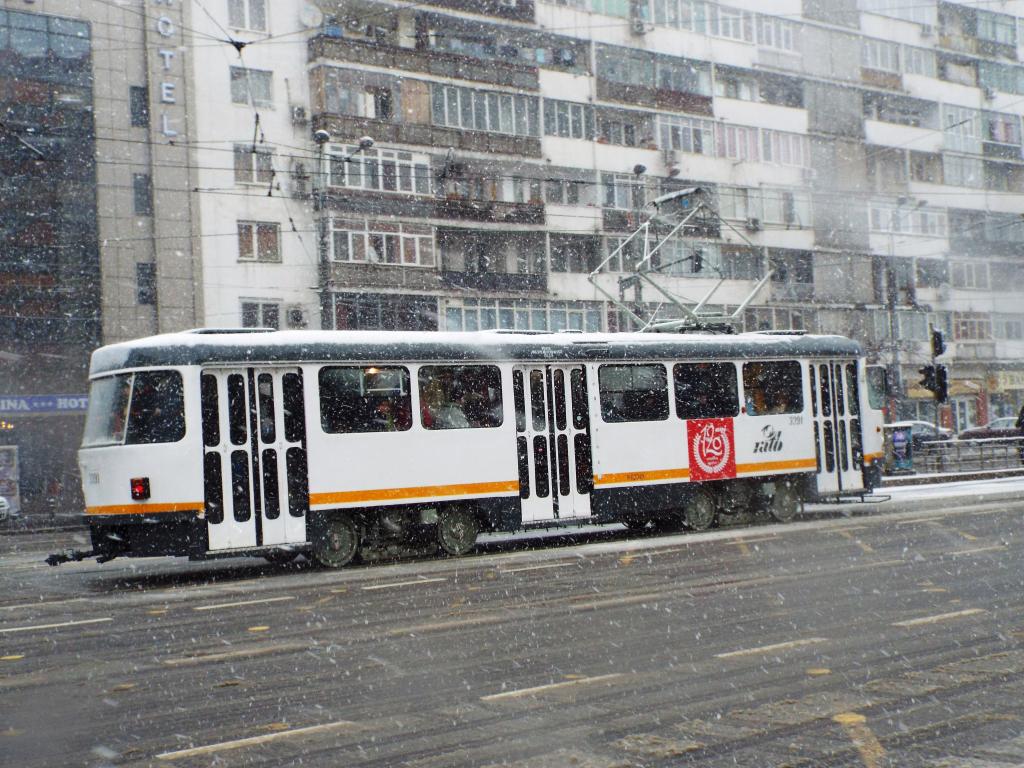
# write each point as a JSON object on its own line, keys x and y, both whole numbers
{"x": 638, "y": 26}
{"x": 989, "y": 93}
{"x": 299, "y": 114}
{"x": 300, "y": 179}
{"x": 752, "y": 225}
{"x": 927, "y": 30}
{"x": 295, "y": 316}
{"x": 943, "y": 292}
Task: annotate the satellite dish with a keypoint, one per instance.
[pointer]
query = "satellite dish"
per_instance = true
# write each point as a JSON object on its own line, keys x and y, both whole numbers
{"x": 310, "y": 16}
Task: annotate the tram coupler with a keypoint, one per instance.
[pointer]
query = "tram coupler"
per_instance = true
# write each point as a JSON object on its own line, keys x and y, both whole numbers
{"x": 76, "y": 555}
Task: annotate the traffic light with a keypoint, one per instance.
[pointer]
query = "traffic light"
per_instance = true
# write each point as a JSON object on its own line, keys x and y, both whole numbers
{"x": 698, "y": 260}
{"x": 928, "y": 377}
{"x": 941, "y": 383}
{"x": 938, "y": 342}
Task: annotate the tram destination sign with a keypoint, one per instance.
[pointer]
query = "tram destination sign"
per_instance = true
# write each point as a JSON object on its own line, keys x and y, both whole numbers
{"x": 14, "y": 405}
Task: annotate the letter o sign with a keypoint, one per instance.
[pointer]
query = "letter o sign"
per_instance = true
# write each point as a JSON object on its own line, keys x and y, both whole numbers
{"x": 165, "y": 26}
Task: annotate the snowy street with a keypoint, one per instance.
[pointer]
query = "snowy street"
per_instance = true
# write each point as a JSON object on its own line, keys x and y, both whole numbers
{"x": 766, "y": 645}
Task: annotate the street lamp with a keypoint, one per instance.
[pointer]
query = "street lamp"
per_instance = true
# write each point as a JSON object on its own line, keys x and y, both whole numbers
{"x": 321, "y": 138}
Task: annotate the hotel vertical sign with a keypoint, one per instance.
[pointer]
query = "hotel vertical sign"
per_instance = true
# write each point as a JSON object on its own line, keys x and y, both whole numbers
{"x": 168, "y": 31}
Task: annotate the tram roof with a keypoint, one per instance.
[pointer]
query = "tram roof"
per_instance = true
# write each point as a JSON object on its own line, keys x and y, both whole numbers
{"x": 212, "y": 347}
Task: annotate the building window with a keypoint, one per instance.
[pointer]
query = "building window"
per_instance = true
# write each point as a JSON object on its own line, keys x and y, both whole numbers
{"x": 248, "y": 14}
{"x": 489, "y": 314}
{"x": 383, "y": 243}
{"x": 142, "y": 194}
{"x": 966, "y": 274}
{"x": 380, "y": 169}
{"x": 257, "y": 313}
{"x": 880, "y": 55}
{"x": 971, "y": 326}
{"x": 784, "y": 148}
{"x": 253, "y": 87}
{"x": 458, "y": 107}
{"x": 145, "y": 284}
{"x": 960, "y": 171}
{"x": 259, "y": 241}
{"x": 737, "y": 142}
{"x": 687, "y": 134}
{"x": 623, "y": 191}
{"x": 138, "y": 103}
{"x": 253, "y": 166}
{"x": 568, "y": 120}
{"x": 776, "y": 33}
{"x": 563, "y": 191}
{"x": 730, "y": 23}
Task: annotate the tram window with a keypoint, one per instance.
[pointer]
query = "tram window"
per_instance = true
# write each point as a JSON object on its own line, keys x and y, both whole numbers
{"x": 837, "y": 378}
{"x": 773, "y": 387}
{"x": 238, "y": 410}
{"x": 580, "y": 409}
{"x": 852, "y": 389}
{"x": 520, "y": 400}
{"x": 537, "y": 412}
{"x": 814, "y": 393}
{"x": 633, "y": 393}
{"x": 294, "y": 408}
{"x": 157, "y": 412}
{"x": 210, "y": 409}
{"x": 558, "y": 385}
{"x": 108, "y": 411}
{"x": 826, "y": 391}
{"x": 365, "y": 399}
{"x": 876, "y": 387}
{"x": 460, "y": 396}
{"x": 705, "y": 390}
{"x": 265, "y": 392}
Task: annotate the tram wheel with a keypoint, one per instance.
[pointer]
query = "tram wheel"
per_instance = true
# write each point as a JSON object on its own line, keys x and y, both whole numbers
{"x": 280, "y": 556}
{"x": 701, "y": 511}
{"x": 337, "y": 543}
{"x": 785, "y": 501}
{"x": 457, "y": 530}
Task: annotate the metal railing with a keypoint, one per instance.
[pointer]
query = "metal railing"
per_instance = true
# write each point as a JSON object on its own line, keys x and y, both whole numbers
{"x": 969, "y": 455}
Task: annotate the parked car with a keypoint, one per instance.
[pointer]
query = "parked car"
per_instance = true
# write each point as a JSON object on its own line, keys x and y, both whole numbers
{"x": 921, "y": 432}
{"x": 1003, "y": 427}
{"x": 5, "y": 509}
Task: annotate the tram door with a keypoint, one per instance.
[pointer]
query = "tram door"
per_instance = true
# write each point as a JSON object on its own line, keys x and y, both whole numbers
{"x": 553, "y": 442}
{"x": 837, "y": 426}
{"x": 254, "y": 457}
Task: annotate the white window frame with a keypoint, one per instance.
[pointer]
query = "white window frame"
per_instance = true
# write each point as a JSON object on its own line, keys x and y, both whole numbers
{"x": 678, "y": 132}
{"x": 738, "y": 142}
{"x": 773, "y": 32}
{"x": 262, "y": 305}
{"x": 241, "y": 15}
{"x": 260, "y": 164}
{"x": 784, "y": 148}
{"x": 253, "y": 236}
{"x": 880, "y": 55}
{"x": 245, "y": 78}
{"x": 369, "y": 169}
{"x": 374, "y": 242}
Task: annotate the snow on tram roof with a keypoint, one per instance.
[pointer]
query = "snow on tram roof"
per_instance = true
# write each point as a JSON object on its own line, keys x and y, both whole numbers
{"x": 218, "y": 346}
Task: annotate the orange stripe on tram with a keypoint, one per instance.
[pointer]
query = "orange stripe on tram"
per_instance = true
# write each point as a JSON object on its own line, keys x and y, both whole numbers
{"x": 769, "y": 466}
{"x": 612, "y": 478}
{"x": 426, "y": 491}
{"x": 145, "y": 509}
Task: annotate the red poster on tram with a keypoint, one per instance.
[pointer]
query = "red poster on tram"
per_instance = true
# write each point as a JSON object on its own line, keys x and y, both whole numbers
{"x": 712, "y": 449}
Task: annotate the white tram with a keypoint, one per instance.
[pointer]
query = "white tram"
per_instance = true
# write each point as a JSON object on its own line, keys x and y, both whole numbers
{"x": 216, "y": 443}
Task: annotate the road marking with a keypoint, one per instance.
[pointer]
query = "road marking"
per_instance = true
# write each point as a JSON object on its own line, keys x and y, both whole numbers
{"x": 866, "y": 548}
{"x": 773, "y": 647}
{"x": 968, "y": 536}
{"x": 13, "y": 657}
{"x": 744, "y": 548}
{"x": 915, "y": 520}
{"x": 819, "y": 671}
{"x": 243, "y": 602}
{"x": 870, "y": 749}
{"x": 938, "y": 617}
{"x": 396, "y": 584}
{"x": 254, "y": 740}
{"x": 41, "y": 604}
{"x": 258, "y": 628}
{"x": 54, "y": 626}
{"x": 976, "y": 550}
{"x": 550, "y": 687}
{"x": 542, "y": 567}
{"x": 240, "y": 653}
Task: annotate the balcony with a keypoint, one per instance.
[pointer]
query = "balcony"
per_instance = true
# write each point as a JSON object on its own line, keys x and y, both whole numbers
{"x": 1000, "y": 150}
{"x": 876, "y": 77}
{"x": 496, "y": 281}
{"x": 385, "y": 132}
{"x": 491, "y": 211}
{"x": 440, "y": 63}
{"x": 692, "y": 103}
{"x": 514, "y": 10}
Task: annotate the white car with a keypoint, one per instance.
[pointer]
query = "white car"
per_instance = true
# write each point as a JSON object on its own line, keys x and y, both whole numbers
{"x": 5, "y": 509}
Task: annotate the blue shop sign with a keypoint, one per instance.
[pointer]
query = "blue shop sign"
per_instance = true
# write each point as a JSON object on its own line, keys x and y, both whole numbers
{"x": 14, "y": 405}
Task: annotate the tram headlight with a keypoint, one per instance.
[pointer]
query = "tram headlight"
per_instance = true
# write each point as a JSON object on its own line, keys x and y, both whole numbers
{"x": 140, "y": 488}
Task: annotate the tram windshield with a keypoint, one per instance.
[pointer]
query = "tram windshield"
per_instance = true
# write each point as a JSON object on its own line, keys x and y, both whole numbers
{"x": 132, "y": 409}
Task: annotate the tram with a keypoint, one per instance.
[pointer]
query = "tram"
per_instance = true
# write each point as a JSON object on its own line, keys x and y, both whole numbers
{"x": 212, "y": 443}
